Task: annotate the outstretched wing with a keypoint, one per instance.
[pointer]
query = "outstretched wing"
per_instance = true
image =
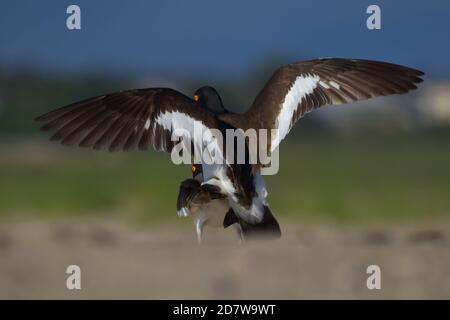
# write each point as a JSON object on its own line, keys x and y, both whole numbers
{"x": 129, "y": 119}
{"x": 298, "y": 88}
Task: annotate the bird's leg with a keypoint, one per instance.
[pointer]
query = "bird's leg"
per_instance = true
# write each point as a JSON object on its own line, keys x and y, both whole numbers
{"x": 240, "y": 233}
{"x": 199, "y": 223}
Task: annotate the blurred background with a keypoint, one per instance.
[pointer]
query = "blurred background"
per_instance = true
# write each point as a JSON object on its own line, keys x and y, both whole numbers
{"x": 362, "y": 184}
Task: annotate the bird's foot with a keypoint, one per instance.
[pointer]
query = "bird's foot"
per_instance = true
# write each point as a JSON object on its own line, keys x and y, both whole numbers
{"x": 183, "y": 212}
{"x": 199, "y": 223}
{"x": 240, "y": 233}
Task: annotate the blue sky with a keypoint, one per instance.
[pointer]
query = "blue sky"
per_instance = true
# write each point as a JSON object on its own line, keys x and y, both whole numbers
{"x": 227, "y": 37}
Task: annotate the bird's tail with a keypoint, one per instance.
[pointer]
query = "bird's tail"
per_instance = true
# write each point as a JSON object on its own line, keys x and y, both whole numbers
{"x": 268, "y": 227}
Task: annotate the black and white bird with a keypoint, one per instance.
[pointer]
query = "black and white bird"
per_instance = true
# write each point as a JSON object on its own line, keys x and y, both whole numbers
{"x": 224, "y": 194}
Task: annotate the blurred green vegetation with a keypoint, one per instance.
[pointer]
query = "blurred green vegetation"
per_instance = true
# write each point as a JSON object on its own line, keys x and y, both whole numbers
{"x": 26, "y": 94}
{"x": 321, "y": 178}
{"x": 383, "y": 178}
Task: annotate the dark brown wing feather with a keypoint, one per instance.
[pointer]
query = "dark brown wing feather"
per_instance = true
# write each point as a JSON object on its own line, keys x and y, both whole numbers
{"x": 123, "y": 120}
{"x": 353, "y": 80}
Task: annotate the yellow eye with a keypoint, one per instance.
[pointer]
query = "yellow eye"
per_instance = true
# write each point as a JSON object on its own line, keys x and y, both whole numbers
{"x": 193, "y": 168}
{"x": 196, "y": 97}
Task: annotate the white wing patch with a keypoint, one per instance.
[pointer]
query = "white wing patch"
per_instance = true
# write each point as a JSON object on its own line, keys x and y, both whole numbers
{"x": 324, "y": 85}
{"x": 334, "y": 84}
{"x": 147, "y": 124}
{"x": 216, "y": 174}
{"x": 303, "y": 85}
{"x": 182, "y": 125}
{"x": 174, "y": 119}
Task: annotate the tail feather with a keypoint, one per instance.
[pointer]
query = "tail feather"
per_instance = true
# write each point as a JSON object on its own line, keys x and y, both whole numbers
{"x": 268, "y": 227}
{"x": 230, "y": 219}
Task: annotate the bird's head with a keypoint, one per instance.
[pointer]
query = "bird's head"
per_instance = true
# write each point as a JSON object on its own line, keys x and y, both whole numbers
{"x": 197, "y": 172}
{"x": 208, "y": 97}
